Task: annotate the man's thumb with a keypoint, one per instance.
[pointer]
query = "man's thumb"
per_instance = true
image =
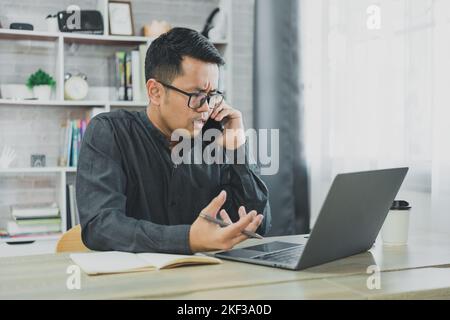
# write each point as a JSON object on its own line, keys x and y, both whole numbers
{"x": 215, "y": 204}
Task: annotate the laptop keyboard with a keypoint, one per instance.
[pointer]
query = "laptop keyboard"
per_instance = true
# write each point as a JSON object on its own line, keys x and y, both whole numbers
{"x": 288, "y": 256}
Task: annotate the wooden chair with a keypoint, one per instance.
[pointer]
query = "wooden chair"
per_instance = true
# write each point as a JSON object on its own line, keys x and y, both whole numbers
{"x": 71, "y": 241}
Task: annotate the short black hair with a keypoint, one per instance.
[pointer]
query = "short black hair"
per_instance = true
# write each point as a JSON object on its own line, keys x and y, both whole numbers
{"x": 165, "y": 54}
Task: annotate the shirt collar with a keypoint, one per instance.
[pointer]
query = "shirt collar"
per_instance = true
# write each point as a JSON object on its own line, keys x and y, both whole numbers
{"x": 154, "y": 131}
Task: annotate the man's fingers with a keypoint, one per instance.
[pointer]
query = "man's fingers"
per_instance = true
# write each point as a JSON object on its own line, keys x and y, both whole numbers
{"x": 217, "y": 110}
{"x": 252, "y": 226}
{"x": 242, "y": 212}
{"x": 225, "y": 217}
{"x": 235, "y": 229}
{"x": 214, "y": 206}
{"x": 255, "y": 223}
{"x": 222, "y": 114}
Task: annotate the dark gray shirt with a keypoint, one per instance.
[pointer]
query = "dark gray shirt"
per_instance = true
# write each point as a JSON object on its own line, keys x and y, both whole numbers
{"x": 132, "y": 197}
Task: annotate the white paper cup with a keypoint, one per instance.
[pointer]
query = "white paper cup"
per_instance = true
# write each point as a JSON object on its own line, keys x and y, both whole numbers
{"x": 396, "y": 226}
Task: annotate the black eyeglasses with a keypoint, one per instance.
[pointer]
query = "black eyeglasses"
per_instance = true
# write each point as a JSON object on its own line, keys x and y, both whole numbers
{"x": 197, "y": 99}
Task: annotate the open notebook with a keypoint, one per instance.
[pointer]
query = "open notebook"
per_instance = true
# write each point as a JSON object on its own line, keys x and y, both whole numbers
{"x": 118, "y": 262}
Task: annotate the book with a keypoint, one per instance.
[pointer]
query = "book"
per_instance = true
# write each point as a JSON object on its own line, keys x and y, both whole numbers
{"x": 79, "y": 137}
{"x": 15, "y": 229}
{"x": 128, "y": 80}
{"x": 120, "y": 74}
{"x": 120, "y": 262}
{"x": 34, "y": 210}
{"x": 39, "y": 222}
{"x": 75, "y": 138}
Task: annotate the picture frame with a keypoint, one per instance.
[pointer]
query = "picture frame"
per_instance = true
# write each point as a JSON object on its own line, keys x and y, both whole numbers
{"x": 120, "y": 18}
{"x": 37, "y": 160}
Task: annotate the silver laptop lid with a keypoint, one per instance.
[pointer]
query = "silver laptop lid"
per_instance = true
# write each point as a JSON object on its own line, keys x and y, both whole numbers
{"x": 352, "y": 215}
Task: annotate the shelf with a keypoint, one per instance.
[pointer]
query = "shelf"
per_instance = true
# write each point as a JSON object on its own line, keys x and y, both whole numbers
{"x": 11, "y": 34}
{"x": 52, "y": 103}
{"x": 104, "y": 39}
{"x": 82, "y": 38}
{"x": 39, "y": 170}
{"x": 31, "y": 237}
{"x": 83, "y": 103}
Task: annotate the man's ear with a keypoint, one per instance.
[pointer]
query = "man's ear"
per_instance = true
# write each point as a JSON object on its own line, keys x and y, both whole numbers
{"x": 155, "y": 92}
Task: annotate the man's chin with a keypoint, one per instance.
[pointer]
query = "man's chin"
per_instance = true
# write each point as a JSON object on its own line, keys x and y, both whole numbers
{"x": 196, "y": 128}
{"x": 195, "y": 132}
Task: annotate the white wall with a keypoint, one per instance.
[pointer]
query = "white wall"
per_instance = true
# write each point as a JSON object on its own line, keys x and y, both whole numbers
{"x": 379, "y": 97}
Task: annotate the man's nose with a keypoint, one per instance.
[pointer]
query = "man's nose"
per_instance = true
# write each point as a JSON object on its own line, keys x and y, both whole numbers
{"x": 204, "y": 107}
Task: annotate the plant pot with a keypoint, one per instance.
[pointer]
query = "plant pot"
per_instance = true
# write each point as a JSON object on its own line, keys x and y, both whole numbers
{"x": 42, "y": 92}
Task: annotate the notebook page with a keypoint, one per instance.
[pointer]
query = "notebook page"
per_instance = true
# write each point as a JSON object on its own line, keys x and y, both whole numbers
{"x": 160, "y": 260}
{"x": 108, "y": 262}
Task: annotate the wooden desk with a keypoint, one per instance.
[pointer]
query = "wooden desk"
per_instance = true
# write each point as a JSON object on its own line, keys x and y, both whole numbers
{"x": 419, "y": 270}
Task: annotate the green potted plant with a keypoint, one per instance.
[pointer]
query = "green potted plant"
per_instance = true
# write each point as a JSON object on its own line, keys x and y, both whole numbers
{"x": 41, "y": 83}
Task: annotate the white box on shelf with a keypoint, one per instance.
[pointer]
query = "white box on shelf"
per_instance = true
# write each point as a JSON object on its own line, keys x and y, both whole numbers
{"x": 15, "y": 92}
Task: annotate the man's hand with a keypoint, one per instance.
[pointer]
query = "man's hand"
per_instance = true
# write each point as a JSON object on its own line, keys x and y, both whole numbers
{"x": 233, "y": 136}
{"x": 206, "y": 236}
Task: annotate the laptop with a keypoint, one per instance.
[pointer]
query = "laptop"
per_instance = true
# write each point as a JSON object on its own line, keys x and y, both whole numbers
{"x": 348, "y": 223}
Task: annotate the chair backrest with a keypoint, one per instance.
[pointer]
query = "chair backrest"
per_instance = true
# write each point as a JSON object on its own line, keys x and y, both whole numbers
{"x": 71, "y": 241}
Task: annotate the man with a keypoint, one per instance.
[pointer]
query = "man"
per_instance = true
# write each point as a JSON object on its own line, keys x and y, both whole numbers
{"x": 132, "y": 197}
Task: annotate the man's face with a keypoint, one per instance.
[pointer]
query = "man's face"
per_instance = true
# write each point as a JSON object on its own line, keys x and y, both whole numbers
{"x": 198, "y": 76}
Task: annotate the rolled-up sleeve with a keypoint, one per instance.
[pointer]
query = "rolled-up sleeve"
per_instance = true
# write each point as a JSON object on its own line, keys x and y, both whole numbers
{"x": 245, "y": 188}
{"x": 101, "y": 199}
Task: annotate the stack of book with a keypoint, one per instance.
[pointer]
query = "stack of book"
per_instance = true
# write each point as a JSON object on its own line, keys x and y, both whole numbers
{"x": 36, "y": 218}
{"x": 129, "y": 68}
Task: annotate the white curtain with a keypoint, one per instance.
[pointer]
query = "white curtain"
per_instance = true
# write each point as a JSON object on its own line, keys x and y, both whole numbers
{"x": 377, "y": 95}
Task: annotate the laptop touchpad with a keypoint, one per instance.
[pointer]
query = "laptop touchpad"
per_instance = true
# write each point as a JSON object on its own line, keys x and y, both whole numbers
{"x": 257, "y": 250}
{"x": 272, "y": 246}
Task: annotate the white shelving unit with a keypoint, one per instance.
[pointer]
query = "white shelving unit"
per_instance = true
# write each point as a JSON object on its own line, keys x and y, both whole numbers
{"x": 97, "y": 106}
{"x": 62, "y": 39}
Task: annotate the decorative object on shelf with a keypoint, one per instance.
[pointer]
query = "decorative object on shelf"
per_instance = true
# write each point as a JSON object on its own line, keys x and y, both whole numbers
{"x": 42, "y": 84}
{"x": 75, "y": 86}
{"x": 7, "y": 156}
{"x": 52, "y": 23}
{"x": 120, "y": 18}
{"x": 87, "y": 21}
{"x": 216, "y": 25}
{"x": 37, "y": 160}
{"x": 21, "y": 26}
{"x": 156, "y": 28}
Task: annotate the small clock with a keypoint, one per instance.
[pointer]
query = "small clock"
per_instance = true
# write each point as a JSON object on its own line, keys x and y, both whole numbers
{"x": 75, "y": 86}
